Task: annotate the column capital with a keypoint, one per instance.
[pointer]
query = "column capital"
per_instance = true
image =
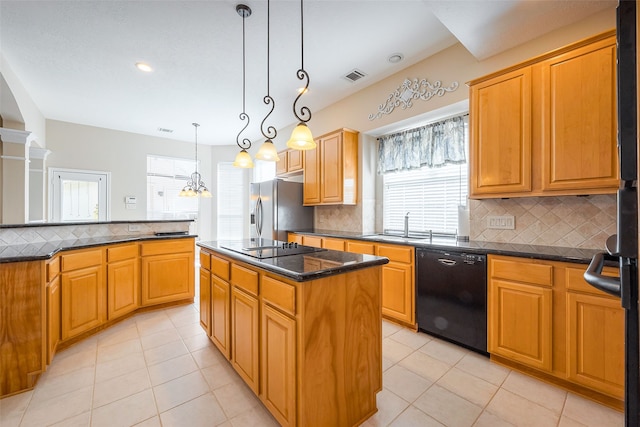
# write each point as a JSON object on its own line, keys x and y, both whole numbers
{"x": 15, "y": 136}
{"x": 38, "y": 153}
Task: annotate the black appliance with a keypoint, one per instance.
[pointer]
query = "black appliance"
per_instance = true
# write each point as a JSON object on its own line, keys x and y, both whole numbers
{"x": 266, "y": 248}
{"x": 451, "y": 298}
{"x": 623, "y": 247}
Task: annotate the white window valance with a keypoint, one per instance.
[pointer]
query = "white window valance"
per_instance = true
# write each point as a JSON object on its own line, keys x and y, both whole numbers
{"x": 431, "y": 145}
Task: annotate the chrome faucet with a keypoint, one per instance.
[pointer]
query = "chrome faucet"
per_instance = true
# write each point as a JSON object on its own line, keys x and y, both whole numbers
{"x": 406, "y": 225}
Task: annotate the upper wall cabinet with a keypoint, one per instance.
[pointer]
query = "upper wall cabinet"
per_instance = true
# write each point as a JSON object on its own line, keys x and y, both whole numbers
{"x": 290, "y": 163}
{"x": 548, "y": 126}
{"x": 331, "y": 170}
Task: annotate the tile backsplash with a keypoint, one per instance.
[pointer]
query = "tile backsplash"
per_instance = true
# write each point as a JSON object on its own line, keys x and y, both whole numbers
{"x": 49, "y": 233}
{"x": 568, "y": 221}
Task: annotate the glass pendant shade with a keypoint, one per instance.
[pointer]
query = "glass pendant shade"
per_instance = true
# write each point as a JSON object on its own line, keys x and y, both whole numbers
{"x": 268, "y": 152}
{"x": 243, "y": 160}
{"x": 301, "y": 138}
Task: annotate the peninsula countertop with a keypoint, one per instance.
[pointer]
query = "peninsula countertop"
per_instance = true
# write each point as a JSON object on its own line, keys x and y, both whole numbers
{"x": 300, "y": 267}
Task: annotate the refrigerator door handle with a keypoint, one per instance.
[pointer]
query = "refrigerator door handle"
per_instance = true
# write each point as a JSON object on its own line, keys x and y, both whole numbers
{"x": 259, "y": 216}
{"x": 594, "y": 277}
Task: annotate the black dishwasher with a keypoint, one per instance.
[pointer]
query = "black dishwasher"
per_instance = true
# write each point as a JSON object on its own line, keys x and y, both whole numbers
{"x": 452, "y": 296}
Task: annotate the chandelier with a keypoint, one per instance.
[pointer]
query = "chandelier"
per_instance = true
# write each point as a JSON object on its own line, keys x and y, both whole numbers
{"x": 195, "y": 186}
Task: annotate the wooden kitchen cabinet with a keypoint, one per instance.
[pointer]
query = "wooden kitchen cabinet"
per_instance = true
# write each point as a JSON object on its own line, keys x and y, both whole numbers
{"x": 83, "y": 289}
{"x": 278, "y": 364}
{"x": 500, "y": 126}
{"x": 314, "y": 241}
{"x": 579, "y": 118}
{"x": 123, "y": 280}
{"x": 245, "y": 317}
{"x": 398, "y": 283}
{"x": 167, "y": 271}
{"x": 54, "y": 307}
{"x": 547, "y": 126}
{"x": 290, "y": 163}
{"x": 331, "y": 170}
{"x": 359, "y": 247}
{"x": 520, "y": 311}
{"x": 333, "y": 244}
{"x": 205, "y": 300}
{"x": 595, "y": 336}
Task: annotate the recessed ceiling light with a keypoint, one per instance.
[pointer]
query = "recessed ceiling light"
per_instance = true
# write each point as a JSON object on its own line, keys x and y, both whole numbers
{"x": 144, "y": 67}
{"x": 395, "y": 58}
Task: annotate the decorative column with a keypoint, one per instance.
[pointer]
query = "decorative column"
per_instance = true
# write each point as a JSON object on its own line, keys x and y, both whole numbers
{"x": 37, "y": 184}
{"x": 15, "y": 176}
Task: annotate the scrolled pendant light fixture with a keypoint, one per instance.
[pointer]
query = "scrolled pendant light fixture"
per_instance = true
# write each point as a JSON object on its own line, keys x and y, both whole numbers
{"x": 301, "y": 138}
{"x": 268, "y": 150}
{"x": 243, "y": 159}
{"x": 195, "y": 186}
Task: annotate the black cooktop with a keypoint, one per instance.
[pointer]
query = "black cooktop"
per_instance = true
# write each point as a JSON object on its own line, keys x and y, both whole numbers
{"x": 266, "y": 248}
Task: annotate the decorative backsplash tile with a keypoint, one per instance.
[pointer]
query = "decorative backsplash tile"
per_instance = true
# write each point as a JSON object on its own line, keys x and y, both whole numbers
{"x": 569, "y": 221}
{"x": 339, "y": 217}
{"x": 52, "y": 233}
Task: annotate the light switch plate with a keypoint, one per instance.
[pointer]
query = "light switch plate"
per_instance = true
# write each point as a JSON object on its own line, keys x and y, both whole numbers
{"x": 134, "y": 227}
{"x": 502, "y": 222}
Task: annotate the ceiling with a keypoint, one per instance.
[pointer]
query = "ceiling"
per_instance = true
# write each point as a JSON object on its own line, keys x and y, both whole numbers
{"x": 76, "y": 58}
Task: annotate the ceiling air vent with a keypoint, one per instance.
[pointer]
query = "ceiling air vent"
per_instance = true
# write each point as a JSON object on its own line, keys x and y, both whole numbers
{"x": 165, "y": 130}
{"x": 354, "y": 75}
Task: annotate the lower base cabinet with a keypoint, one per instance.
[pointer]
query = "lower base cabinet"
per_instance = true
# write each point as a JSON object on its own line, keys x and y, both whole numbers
{"x": 83, "y": 301}
{"x": 244, "y": 336}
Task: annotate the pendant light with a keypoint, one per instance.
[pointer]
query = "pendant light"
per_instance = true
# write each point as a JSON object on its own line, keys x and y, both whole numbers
{"x": 268, "y": 150}
{"x": 243, "y": 159}
{"x": 301, "y": 138}
{"x": 195, "y": 186}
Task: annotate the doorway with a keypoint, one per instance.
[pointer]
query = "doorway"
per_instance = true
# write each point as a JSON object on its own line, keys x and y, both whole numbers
{"x": 79, "y": 195}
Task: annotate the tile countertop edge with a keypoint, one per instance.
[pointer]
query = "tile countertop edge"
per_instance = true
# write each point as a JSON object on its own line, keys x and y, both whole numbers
{"x": 366, "y": 262}
{"x": 68, "y": 245}
{"x": 551, "y": 253}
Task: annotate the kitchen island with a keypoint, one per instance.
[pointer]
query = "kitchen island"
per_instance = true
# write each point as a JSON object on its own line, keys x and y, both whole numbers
{"x": 302, "y": 328}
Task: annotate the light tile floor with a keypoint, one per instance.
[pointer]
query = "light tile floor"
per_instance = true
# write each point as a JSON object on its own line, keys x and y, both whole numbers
{"x": 159, "y": 368}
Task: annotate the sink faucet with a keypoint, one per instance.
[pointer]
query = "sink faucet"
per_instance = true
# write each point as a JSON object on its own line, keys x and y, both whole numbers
{"x": 406, "y": 225}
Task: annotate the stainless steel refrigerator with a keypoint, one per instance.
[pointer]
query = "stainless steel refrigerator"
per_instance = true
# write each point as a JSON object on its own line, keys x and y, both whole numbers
{"x": 276, "y": 208}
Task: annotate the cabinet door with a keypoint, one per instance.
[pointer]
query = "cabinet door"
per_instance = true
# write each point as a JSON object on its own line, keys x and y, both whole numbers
{"x": 500, "y": 126}
{"x": 580, "y": 121}
{"x": 220, "y": 315}
{"x": 397, "y": 292}
{"x": 205, "y": 300}
{"x": 311, "y": 179}
{"x": 278, "y": 365}
{"x": 53, "y": 318}
{"x": 595, "y": 333}
{"x": 294, "y": 160}
{"x": 122, "y": 287}
{"x": 520, "y": 323}
{"x": 83, "y": 301}
{"x": 244, "y": 335}
{"x": 331, "y": 169}
{"x": 281, "y": 165}
{"x": 167, "y": 278}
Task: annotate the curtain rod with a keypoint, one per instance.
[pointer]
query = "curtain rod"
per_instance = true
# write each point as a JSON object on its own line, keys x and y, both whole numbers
{"x": 426, "y": 124}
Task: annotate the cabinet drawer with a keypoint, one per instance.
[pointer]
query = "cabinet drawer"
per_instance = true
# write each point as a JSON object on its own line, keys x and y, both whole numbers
{"x": 576, "y": 282}
{"x": 205, "y": 260}
{"x": 119, "y": 253}
{"x": 167, "y": 247}
{"x": 396, "y": 253}
{"x": 360, "y": 248}
{"x": 522, "y": 271}
{"x": 279, "y": 294}
{"x": 333, "y": 244}
{"x": 220, "y": 267}
{"x": 81, "y": 259}
{"x": 314, "y": 241}
{"x": 53, "y": 268}
{"x": 244, "y": 278}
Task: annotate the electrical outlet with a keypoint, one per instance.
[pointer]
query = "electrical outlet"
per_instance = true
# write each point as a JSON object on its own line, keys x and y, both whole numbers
{"x": 502, "y": 222}
{"x": 134, "y": 227}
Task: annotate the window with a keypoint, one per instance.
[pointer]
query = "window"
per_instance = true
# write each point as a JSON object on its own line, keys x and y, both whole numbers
{"x": 233, "y": 201}
{"x": 78, "y": 195}
{"x": 430, "y": 195}
{"x": 165, "y": 178}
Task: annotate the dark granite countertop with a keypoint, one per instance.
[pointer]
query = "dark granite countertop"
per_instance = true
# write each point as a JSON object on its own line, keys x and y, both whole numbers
{"x": 552, "y": 253}
{"x": 303, "y": 267}
{"x": 62, "y": 224}
{"x": 45, "y": 250}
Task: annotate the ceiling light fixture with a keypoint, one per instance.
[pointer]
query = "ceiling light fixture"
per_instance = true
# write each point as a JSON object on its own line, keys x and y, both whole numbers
{"x": 144, "y": 67}
{"x": 195, "y": 186}
{"x": 301, "y": 138}
{"x": 395, "y": 58}
{"x": 268, "y": 150}
{"x": 243, "y": 159}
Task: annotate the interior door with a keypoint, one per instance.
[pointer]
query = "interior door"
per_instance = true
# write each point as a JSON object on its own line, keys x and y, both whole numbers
{"x": 79, "y": 195}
